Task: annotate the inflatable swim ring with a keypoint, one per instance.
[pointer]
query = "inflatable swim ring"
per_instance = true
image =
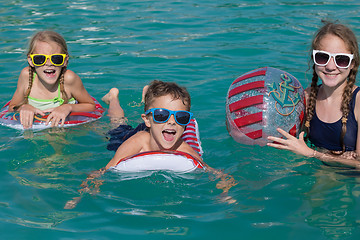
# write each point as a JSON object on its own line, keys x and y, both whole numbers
{"x": 262, "y": 100}
{"x": 166, "y": 160}
{"x": 12, "y": 119}
{"x": 191, "y": 136}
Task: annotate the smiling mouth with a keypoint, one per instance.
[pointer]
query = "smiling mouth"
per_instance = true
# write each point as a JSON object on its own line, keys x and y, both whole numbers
{"x": 331, "y": 76}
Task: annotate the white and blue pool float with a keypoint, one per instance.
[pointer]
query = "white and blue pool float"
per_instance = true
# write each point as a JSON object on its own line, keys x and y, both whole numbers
{"x": 12, "y": 119}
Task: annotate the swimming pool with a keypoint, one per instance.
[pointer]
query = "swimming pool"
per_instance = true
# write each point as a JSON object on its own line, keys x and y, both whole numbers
{"x": 203, "y": 45}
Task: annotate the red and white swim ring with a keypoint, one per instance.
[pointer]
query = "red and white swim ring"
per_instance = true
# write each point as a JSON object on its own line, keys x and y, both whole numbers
{"x": 166, "y": 160}
{"x": 12, "y": 119}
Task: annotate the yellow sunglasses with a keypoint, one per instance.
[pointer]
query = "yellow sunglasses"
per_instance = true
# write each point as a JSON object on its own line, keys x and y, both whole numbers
{"x": 57, "y": 59}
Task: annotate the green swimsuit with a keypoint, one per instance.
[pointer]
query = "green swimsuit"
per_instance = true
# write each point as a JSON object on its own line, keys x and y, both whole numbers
{"x": 44, "y": 104}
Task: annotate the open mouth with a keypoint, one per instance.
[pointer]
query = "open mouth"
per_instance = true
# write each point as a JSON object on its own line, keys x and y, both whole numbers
{"x": 169, "y": 134}
{"x": 50, "y": 72}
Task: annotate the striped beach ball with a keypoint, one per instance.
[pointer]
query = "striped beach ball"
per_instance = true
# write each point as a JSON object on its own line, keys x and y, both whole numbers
{"x": 262, "y": 100}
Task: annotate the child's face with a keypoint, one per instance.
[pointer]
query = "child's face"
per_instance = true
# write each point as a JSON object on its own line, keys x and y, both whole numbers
{"x": 47, "y": 72}
{"x": 165, "y": 135}
{"x": 330, "y": 74}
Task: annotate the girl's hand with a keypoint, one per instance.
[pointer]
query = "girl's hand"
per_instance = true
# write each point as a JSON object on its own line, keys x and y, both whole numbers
{"x": 27, "y": 113}
{"x": 291, "y": 143}
{"x": 58, "y": 115}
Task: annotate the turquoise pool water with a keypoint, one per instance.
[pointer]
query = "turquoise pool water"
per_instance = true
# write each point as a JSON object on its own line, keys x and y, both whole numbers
{"x": 203, "y": 45}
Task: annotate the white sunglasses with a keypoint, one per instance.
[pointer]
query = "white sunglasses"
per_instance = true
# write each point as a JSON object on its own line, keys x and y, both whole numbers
{"x": 342, "y": 60}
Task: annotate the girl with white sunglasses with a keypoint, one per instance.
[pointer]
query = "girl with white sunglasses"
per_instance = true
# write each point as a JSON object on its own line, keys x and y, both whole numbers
{"x": 332, "y": 111}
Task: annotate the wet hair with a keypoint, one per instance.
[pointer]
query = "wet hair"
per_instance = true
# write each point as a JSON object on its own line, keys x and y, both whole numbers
{"x": 158, "y": 89}
{"x": 349, "y": 38}
{"x": 48, "y": 37}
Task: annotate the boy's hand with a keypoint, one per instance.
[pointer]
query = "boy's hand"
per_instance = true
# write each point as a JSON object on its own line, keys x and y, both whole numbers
{"x": 92, "y": 188}
{"x": 72, "y": 203}
{"x": 226, "y": 182}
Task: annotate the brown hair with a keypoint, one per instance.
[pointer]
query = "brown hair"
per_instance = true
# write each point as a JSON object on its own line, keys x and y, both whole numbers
{"x": 158, "y": 89}
{"x": 349, "y": 38}
{"x": 48, "y": 37}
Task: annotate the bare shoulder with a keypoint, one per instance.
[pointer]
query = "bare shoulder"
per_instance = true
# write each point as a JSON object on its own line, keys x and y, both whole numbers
{"x": 75, "y": 87}
{"x": 23, "y": 81}
{"x": 25, "y": 71}
{"x": 71, "y": 78}
{"x": 358, "y": 94}
{"x": 184, "y": 147}
{"x": 142, "y": 135}
{"x": 140, "y": 140}
{"x": 357, "y": 104}
{"x": 24, "y": 74}
{"x": 22, "y": 85}
{"x": 131, "y": 146}
{"x": 357, "y": 99}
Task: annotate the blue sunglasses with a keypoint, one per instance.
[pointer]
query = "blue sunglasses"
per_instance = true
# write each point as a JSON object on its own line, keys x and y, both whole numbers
{"x": 162, "y": 115}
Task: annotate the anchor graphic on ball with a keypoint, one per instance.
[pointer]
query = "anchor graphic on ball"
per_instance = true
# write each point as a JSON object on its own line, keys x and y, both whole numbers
{"x": 283, "y": 97}
{"x": 261, "y": 101}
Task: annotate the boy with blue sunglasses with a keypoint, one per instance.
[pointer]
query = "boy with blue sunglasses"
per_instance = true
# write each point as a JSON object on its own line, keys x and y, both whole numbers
{"x": 159, "y": 115}
{"x": 166, "y": 114}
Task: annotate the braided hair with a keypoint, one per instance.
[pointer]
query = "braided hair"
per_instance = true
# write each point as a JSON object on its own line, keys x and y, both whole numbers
{"x": 49, "y": 37}
{"x": 349, "y": 38}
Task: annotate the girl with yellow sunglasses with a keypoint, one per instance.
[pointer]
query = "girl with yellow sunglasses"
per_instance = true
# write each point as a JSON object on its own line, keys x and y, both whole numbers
{"x": 46, "y": 85}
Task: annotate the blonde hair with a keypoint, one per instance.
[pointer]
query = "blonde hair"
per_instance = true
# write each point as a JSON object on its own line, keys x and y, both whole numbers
{"x": 349, "y": 38}
{"x": 48, "y": 37}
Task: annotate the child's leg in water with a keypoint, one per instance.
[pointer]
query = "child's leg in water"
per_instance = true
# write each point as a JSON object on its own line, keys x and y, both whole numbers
{"x": 143, "y": 93}
{"x": 115, "y": 112}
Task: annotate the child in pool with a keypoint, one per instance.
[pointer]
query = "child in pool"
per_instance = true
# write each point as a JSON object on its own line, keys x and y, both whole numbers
{"x": 46, "y": 85}
{"x": 160, "y": 97}
{"x": 163, "y": 134}
{"x": 332, "y": 118}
